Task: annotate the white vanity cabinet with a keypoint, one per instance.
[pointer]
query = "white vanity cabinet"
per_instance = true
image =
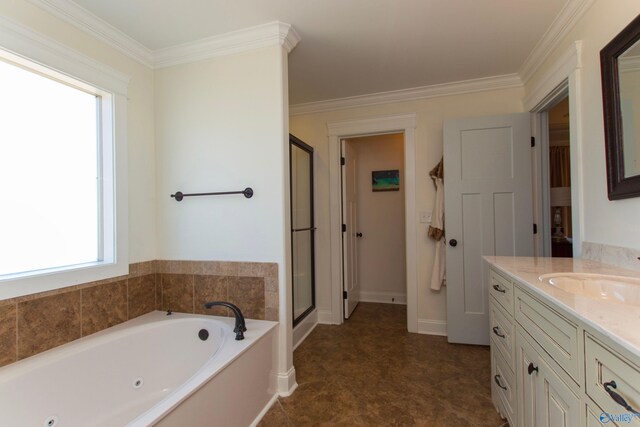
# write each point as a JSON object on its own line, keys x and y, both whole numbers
{"x": 550, "y": 369}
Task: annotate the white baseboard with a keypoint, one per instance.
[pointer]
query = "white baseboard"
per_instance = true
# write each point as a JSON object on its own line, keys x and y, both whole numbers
{"x": 432, "y": 327}
{"x": 325, "y": 317}
{"x": 287, "y": 382}
{"x": 383, "y": 297}
{"x": 262, "y": 413}
{"x": 304, "y": 328}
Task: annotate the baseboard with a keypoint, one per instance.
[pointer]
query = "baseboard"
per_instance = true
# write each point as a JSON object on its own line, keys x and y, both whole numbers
{"x": 325, "y": 317}
{"x": 383, "y": 297}
{"x": 432, "y": 327}
{"x": 264, "y": 411}
{"x": 304, "y": 328}
{"x": 287, "y": 382}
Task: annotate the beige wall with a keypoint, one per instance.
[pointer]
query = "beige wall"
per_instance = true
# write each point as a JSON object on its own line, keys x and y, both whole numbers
{"x": 221, "y": 125}
{"x": 607, "y": 222}
{"x": 430, "y": 113}
{"x": 140, "y": 118}
{"x": 381, "y": 219}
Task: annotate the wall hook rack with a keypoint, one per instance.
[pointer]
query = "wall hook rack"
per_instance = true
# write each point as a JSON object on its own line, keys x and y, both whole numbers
{"x": 247, "y": 192}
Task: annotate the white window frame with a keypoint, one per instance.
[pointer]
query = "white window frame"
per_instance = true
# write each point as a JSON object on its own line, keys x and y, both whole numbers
{"x": 21, "y": 45}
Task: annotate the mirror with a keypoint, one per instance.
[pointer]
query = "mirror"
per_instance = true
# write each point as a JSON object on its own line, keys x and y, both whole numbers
{"x": 620, "y": 66}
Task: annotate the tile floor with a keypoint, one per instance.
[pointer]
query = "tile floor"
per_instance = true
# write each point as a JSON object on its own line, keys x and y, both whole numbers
{"x": 371, "y": 372}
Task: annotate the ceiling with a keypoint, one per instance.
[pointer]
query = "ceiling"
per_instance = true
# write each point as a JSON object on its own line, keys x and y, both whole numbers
{"x": 356, "y": 47}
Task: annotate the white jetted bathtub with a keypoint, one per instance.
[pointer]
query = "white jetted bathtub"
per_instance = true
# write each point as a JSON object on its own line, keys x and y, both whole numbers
{"x": 152, "y": 370}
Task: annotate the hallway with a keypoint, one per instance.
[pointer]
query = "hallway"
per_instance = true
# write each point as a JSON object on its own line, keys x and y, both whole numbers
{"x": 371, "y": 372}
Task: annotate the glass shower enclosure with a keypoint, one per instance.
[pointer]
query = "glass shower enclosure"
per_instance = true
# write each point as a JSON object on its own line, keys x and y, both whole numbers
{"x": 302, "y": 228}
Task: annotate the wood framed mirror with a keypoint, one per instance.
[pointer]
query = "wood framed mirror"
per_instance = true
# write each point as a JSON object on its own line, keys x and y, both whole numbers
{"x": 620, "y": 66}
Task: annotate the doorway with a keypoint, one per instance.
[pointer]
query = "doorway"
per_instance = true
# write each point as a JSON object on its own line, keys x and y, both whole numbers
{"x": 559, "y": 177}
{"x": 373, "y": 214}
{"x": 337, "y": 131}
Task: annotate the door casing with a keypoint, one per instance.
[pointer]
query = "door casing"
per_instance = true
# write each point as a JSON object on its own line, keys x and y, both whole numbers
{"x": 337, "y": 131}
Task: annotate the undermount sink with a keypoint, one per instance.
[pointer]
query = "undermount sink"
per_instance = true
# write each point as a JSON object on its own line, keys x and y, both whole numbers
{"x": 620, "y": 289}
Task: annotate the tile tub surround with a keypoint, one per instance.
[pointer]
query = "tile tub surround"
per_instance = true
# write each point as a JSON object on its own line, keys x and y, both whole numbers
{"x": 35, "y": 323}
{"x": 186, "y": 285}
{"x": 619, "y": 322}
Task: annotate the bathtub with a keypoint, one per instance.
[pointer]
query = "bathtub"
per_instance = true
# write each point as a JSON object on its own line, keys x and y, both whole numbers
{"x": 152, "y": 370}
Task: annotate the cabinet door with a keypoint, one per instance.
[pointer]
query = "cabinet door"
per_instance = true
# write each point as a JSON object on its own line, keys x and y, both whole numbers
{"x": 544, "y": 400}
{"x": 556, "y": 405}
{"x": 525, "y": 356}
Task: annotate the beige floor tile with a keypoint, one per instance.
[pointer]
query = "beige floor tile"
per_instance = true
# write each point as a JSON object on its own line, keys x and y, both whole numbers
{"x": 371, "y": 372}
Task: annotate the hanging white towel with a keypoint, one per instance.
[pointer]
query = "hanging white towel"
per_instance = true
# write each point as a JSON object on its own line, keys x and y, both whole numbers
{"x": 436, "y": 231}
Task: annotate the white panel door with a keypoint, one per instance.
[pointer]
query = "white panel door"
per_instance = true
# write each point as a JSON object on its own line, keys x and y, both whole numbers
{"x": 350, "y": 219}
{"x": 488, "y": 211}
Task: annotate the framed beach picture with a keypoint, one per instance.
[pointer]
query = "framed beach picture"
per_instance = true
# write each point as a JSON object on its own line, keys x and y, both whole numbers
{"x": 385, "y": 180}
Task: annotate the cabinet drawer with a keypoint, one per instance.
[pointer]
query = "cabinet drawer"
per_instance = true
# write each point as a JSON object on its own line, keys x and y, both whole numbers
{"x": 503, "y": 387}
{"x": 502, "y": 290}
{"x": 555, "y": 334}
{"x": 502, "y": 332}
{"x": 604, "y": 366}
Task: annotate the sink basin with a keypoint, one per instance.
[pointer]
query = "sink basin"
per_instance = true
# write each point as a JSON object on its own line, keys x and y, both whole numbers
{"x": 620, "y": 289}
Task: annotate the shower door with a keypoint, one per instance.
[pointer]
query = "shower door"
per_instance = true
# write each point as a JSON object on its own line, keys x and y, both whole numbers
{"x": 302, "y": 228}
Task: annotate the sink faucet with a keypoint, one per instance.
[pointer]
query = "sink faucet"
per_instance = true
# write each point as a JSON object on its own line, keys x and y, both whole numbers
{"x": 240, "y": 327}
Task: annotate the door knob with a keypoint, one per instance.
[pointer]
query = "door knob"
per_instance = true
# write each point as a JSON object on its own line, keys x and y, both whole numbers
{"x": 453, "y": 242}
{"x": 358, "y": 234}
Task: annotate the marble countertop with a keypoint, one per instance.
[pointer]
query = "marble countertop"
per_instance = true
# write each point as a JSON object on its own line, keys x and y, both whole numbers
{"x": 618, "y": 321}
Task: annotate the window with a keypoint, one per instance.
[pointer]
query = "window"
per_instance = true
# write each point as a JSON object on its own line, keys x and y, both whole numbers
{"x": 63, "y": 188}
{"x": 49, "y": 173}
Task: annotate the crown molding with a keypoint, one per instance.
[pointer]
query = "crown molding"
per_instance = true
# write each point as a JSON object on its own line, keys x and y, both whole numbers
{"x": 43, "y": 50}
{"x": 559, "y": 28}
{"x": 86, "y": 21}
{"x": 551, "y": 81}
{"x": 629, "y": 64}
{"x": 224, "y": 44}
{"x": 273, "y": 33}
{"x": 412, "y": 94}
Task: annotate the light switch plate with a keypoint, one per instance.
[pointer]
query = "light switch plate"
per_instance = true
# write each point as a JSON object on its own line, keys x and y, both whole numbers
{"x": 425, "y": 217}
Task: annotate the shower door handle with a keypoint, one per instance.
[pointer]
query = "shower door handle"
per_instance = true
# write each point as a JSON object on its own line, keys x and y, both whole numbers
{"x": 295, "y": 230}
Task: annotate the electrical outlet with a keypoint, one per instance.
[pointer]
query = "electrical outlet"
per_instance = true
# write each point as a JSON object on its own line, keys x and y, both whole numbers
{"x": 425, "y": 217}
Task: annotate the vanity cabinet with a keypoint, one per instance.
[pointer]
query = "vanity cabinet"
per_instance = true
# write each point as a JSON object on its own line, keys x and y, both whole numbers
{"x": 550, "y": 369}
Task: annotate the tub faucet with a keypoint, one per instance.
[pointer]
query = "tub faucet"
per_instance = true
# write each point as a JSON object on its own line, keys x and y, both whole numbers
{"x": 240, "y": 327}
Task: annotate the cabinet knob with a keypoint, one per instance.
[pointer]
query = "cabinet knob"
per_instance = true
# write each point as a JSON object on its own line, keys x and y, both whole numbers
{"x": 532, "y": 368}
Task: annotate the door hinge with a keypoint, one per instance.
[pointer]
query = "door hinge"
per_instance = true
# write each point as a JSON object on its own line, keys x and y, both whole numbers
{"x": 533, "y": 141}
{"x": 343, "y": 161}
{"x": 344, "y": 228}
{"x": 344, "y": 295}
{"x": 535, "y": 228}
